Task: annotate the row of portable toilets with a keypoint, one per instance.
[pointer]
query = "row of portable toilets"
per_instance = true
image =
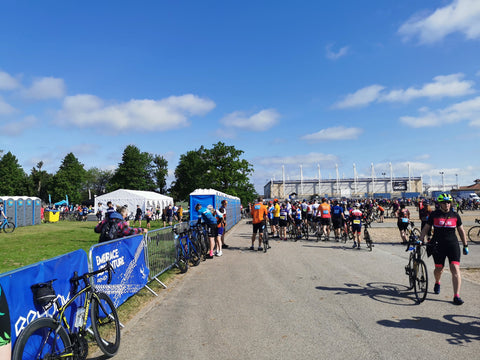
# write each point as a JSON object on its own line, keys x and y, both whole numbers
{"x": 23, "y": 211}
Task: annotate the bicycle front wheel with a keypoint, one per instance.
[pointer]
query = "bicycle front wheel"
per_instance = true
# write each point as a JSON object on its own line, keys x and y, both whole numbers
{"x": 105, "y": 323}
{"x": 9, "y": 227}
{"x": 474, "y": 234}
{"x": 421, "y": 280}
{"x": 43, "y": 339}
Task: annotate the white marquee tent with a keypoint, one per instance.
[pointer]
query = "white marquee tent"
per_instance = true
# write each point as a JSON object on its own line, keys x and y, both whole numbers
{"x": 132, "y": 198}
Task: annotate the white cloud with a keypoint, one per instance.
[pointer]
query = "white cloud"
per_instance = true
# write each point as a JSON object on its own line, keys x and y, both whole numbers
{"x": 332, "y": 55}
{"x": 464, "y": 111}
{"x": 260, "y": 121}
{"x": 442, "y": 86}
{"x": 460, "y": 16}
{"x": 361, "y": 97}
{"x": 5, "y": 108}
{"x": 17, "y": 127}
{"x": 153, "y": 115}
{"x": 8, "y": 82}
{"x": 334, "y": 133}
{"x": 45, "y": 88}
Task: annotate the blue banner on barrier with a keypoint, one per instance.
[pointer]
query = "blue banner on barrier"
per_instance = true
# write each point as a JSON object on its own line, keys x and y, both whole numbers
{"x": 16, "y": 289}
{"x": 127, "y": 255}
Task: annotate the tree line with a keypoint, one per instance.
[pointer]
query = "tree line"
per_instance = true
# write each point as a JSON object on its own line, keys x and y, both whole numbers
{"x": 220, "y": 168}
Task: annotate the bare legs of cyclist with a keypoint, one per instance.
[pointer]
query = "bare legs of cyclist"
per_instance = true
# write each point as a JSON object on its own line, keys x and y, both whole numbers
{"x": 357, "y": 239}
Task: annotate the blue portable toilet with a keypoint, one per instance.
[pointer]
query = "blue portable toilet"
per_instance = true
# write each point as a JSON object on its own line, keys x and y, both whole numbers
{"x": 11, "y": 209}
{"x": 213, "y": 197}
{"x": 28, "y": 212}
{"x": 20, "y": 212}
{"x": 37, "y": 212}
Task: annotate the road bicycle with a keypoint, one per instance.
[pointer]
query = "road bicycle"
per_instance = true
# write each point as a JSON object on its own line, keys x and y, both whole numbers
{"x": 7, "y": 225}
{"x": 55, "y": 338}
{"x": 200, "y": 234}
{"x": 416, "y": 270}
{"x": 412, "y": 230}
{"x": 366, "y": 236}
{"x": 187, "y": 249}
{"x": 266, "y": 244}
{"x": 474, "y": 233}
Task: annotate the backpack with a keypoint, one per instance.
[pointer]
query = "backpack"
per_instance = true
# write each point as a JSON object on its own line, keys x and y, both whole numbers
{"x": 110, "y": 230}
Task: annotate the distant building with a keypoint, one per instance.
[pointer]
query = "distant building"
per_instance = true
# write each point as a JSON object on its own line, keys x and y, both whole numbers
{"x": 349, "y": 188}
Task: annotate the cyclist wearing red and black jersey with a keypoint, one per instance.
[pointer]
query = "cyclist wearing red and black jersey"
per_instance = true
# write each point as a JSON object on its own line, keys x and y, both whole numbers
{"x": 444, "y": 223}
{"x": 403, "y": 219}
{"x": 356, "y": 223}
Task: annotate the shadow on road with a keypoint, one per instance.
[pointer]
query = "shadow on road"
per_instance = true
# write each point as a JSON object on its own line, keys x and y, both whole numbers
{"x": 462, "y": 329}
{"x": 389, "y": 293}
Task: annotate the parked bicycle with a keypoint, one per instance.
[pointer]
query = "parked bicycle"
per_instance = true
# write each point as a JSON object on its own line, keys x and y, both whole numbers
{"x": 416, "y": 270}
{"x": 55, "y": 338}
{"x": 474, "y": 233}
{"x": 7, "y": 225}
{"x": 187, "y": 248}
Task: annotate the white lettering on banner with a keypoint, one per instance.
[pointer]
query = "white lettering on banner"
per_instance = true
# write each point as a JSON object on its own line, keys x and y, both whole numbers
{"x": 108, "y": 256}
{"x": 22, "y": 321}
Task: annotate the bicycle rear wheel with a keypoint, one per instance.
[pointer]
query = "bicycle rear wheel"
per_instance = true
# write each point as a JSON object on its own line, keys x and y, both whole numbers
{"x": 305, "y": 232}
{"x": 194, "y": 253}
{"x": 43, "y": 339}
{"x": 421, "y": 280}
{"x": 265, "y": 239}
{"x": 180, "y": 260}
{"x": 105, "y": 323}
{"x": 9, "y": 227}
{"x": 474, "y": 234}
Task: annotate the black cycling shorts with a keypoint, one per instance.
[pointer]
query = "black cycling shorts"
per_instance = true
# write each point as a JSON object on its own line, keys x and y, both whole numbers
{"x": 212, "y": 230}
{"x": 337, "y": 222}
{"x": 448, "y": 249}
{"x": 258, "y": 227}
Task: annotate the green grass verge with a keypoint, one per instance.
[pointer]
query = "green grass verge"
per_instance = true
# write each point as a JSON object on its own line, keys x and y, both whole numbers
{"x": 30, "y": 244}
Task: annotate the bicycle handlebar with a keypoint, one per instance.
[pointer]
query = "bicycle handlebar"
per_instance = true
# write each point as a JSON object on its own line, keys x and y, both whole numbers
{"x": 86, "y": 276}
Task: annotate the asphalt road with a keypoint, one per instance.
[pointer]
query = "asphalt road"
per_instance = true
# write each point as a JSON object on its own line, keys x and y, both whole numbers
{"x": 305, "y": 300}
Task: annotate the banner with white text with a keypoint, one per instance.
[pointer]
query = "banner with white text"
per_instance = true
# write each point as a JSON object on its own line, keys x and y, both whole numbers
{"x": 127, "y": 255}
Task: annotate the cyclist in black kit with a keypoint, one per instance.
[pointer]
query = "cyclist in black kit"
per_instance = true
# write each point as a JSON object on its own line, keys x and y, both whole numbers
{"x": 444, "y": 222}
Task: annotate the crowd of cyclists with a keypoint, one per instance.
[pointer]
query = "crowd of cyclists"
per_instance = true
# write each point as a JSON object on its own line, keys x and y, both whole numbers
{"x": 440, "y": 221}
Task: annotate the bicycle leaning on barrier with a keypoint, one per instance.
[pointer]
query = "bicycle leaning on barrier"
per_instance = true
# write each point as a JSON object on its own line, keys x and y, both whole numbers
{"x": 54, "y": 338}
{"x": 187, "y": 248}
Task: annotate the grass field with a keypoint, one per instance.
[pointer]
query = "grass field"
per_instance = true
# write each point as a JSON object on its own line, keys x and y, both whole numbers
{"x": 30, "y": 244}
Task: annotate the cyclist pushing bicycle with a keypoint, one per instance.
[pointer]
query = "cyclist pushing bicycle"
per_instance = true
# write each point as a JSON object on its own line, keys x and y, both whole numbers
{"x": 445, "y": 243}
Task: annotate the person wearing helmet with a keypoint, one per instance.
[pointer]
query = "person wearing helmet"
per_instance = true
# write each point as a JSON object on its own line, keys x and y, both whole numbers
{"x": 445, "y": 221}
{"x": 355, "y": 218}
{"x": 259, "y": 216}
{"x": 210, "y": 220}
{"x": 403, "y": 219}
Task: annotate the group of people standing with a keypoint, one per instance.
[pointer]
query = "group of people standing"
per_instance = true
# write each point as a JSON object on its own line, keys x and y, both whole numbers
{"x": 216, "y": 222}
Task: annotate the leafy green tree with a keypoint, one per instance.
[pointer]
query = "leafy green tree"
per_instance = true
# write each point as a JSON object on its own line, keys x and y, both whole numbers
{"x": 220, "y": 168}
{"x": 40, "y": 182}
{"x": 14, "y": 181}
{"x": 189, "y": 174}
{"x": 134, "y": 172}
{"x": 69, "y": 180}
{"x": 160, "y": 172}
{"x": 96, "y": 181}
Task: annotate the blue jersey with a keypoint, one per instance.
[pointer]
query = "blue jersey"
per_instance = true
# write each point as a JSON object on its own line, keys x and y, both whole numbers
{"x": 207, "y": 216}
{"x": 337, "y": 211}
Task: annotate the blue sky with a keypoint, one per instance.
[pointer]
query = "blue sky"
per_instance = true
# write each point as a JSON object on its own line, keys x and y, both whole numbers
{"x": 305, "y": 83}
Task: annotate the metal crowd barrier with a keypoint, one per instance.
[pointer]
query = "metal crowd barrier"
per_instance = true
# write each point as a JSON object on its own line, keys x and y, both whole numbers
{"x": 160, "y": 252}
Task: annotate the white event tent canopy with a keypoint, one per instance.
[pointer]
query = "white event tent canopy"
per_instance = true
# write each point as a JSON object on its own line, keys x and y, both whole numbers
{"x": 132, "y": 198}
